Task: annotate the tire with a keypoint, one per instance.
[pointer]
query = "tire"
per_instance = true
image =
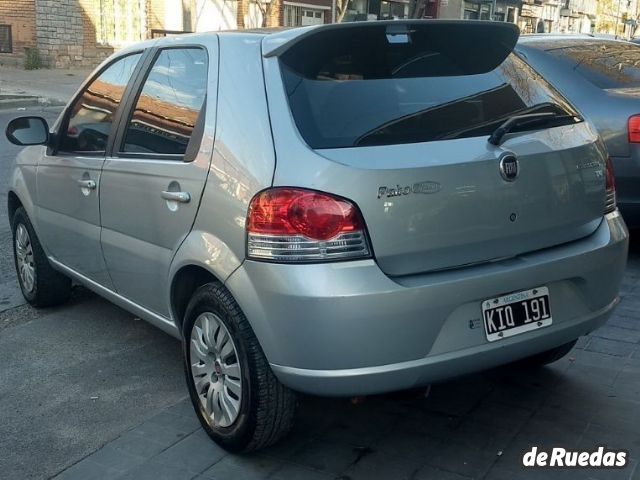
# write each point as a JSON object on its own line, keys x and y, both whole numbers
{"x": 547, "y": 357}
{"x": 41, "y": 285}
{"x": 264, "y": 408}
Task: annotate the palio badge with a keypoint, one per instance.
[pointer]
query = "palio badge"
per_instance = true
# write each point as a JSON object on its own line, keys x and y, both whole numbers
{"x": 399, "y": 190}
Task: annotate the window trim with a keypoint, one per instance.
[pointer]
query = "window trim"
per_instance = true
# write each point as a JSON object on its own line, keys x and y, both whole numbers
{"x": 9, "y": 28}
{"x": 64, "y": 124}
{"x": 132, "y": 101}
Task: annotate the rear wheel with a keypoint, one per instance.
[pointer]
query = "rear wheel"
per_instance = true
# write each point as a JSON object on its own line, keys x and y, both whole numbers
{"x": 240, "y": 403}
{"x": 41, "y": 285}
{"x": 549, "y": 356}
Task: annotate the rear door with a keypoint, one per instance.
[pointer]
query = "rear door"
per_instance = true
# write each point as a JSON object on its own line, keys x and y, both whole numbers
{"x": 399, "y": 123}
{"x": 152, "y": 184}
{"x": 69, "y": 176}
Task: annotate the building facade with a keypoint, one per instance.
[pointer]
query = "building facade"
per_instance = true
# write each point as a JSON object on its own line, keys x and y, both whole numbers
{"x": 17, "y": 29}
{"x": 578, "y": 16}
{"x": 81, "y": 33}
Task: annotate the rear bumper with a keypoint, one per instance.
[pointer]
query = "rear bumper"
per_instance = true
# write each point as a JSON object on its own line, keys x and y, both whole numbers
{"x": 348, "y": 329}
{"x": 399, "y": 376}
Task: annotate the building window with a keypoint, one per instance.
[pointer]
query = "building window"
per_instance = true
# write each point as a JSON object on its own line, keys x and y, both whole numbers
{"x": 390, "y": 10}
{"x": 477, "y": 11}
{"x": 296, "y": 16}
{"x": 6, "y": 45}
{"x": 121, "y": 22}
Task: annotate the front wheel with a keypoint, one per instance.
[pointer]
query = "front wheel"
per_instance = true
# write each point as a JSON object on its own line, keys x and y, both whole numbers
{"x": 41, "y": 285}
{"x": 240, "y": 403}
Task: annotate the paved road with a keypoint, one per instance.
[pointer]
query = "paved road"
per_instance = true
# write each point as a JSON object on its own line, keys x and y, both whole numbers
{"x": 87, "y": 391}
{"x": 75, "y": 377}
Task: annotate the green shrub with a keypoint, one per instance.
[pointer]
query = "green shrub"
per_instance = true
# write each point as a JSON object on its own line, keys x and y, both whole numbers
{"x": 32, "y": 60}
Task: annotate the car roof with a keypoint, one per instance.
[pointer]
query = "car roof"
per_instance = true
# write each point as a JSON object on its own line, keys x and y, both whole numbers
{"x": 200, "y": 37}
{"x": 553, "y": 41}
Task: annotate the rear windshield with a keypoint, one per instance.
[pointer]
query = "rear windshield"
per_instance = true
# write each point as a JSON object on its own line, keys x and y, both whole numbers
{"x": 604, "y": 64}
{"x": 382, "y": 93}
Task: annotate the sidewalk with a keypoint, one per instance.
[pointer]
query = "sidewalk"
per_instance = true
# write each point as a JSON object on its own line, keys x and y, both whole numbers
{"x": 476, "y": 427}
{"x": 52, "y": 87}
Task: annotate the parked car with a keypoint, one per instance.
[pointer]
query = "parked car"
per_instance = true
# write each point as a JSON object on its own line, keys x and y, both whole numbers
{"x": 340, "y": 210}
{"x": 601, "y": 78}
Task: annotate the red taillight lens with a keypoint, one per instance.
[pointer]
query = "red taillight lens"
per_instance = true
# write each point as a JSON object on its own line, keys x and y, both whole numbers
{"x": 633, "y": 125}
{"x": 610, "y": 188}
{"x": 293, "y": 224}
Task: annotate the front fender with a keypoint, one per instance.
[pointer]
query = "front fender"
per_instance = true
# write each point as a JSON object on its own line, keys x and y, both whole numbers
{"x": 22, "y": 181}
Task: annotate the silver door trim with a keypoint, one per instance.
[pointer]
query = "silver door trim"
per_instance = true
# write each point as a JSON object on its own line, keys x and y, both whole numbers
{"x": 182, "y": 197}
{"x": 87, "y": 183}
{"x": 154, "y": 319}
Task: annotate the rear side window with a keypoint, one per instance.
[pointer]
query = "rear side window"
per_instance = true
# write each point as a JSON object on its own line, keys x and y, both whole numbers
{"x": 359, "y": 90}
{"x": 604, "y": 64}
{"x": 167, "y": 109}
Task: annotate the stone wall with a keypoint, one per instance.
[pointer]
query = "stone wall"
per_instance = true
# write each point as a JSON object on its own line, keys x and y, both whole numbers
{"x": 66, "y": 34}
{"x": 21, "y": 16}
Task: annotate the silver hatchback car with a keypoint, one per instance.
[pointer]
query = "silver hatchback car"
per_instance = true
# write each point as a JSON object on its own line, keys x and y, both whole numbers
{"x": 340, "y": 210}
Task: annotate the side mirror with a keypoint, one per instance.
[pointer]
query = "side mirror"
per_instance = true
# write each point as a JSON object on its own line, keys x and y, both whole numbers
{"x": 25, "y": 131}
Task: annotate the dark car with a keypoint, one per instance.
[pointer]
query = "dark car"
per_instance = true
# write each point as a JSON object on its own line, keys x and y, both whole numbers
{"x": 601, "y": 77}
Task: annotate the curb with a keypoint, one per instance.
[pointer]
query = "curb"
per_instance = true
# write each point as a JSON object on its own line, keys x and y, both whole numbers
{"x": 23, "y": 101}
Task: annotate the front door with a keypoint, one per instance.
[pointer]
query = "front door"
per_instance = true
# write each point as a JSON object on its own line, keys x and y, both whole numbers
{"x": 151, "y": 186}
{"x": 69, "y": 175}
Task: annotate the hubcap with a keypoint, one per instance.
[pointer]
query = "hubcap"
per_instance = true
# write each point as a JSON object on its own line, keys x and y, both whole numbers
{"x": 215, "y": 369}
{"x": 24, "y": 258}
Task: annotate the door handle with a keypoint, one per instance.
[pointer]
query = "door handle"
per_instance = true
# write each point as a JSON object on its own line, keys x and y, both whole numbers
{"x": 182, "y": 197}
{"x": 90, "y": 184}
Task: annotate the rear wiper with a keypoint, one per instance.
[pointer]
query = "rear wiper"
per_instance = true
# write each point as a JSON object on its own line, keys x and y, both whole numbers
{"x": 522, "y": 120}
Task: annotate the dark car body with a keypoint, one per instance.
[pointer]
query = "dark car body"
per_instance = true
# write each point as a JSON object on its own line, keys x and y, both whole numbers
{"x": 601, "y": 77}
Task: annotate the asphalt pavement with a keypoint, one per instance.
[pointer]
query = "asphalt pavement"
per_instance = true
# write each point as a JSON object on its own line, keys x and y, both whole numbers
{"x": 73, "y": 377}
{"x": 89, "y": 391}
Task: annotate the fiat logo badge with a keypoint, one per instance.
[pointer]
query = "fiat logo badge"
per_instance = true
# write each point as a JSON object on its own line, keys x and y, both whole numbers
{"x": 509, "y": 167}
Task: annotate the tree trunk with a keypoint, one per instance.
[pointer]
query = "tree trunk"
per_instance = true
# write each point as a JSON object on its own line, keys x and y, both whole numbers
{"x": 341, "y": 9}
{"x": 188, "y": 9}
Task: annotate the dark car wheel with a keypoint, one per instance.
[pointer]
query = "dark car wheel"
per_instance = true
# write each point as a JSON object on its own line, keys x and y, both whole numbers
{"x": 549, "y": 356}
{"x": 41, "y": 285}
{"x": 240, "y": 403}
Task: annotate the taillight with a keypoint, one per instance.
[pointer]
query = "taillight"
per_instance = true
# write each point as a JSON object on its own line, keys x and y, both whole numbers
{"x": 610, "y": 188}
{"x": 633, "y": 125}
{"x": 298, "y": 225}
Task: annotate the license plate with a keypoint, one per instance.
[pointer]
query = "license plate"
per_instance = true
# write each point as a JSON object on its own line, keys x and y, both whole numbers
{"x": 516, "y": 313}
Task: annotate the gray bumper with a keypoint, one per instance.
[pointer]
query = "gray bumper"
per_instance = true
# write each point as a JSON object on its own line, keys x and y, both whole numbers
{"x": 348, "y": 329}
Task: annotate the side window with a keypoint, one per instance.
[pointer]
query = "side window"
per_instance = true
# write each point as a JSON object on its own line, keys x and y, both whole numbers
{"x": 91, "y": 116}
{"x": 167, "y": 109}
